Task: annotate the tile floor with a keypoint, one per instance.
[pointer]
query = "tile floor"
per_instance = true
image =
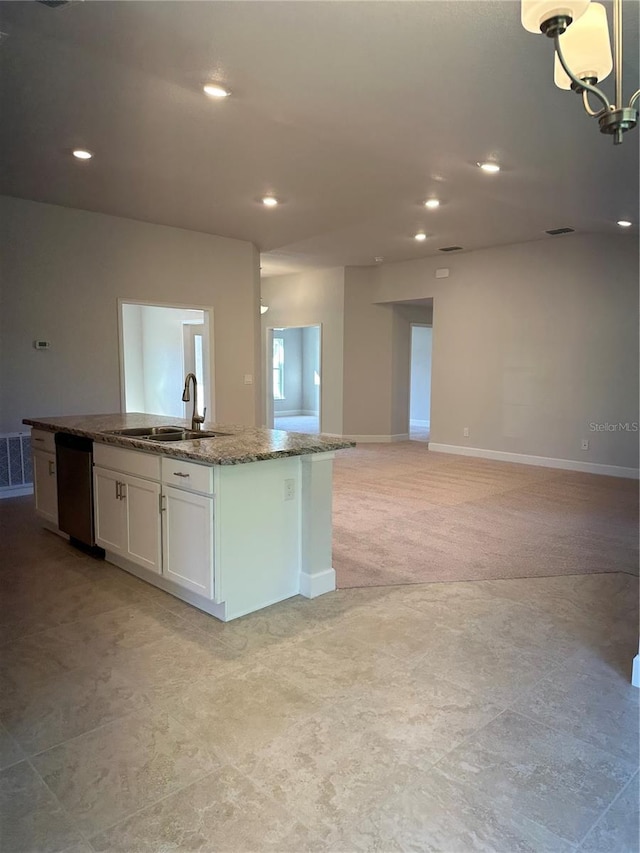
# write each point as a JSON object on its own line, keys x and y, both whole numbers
{"x": 477, "y": 716}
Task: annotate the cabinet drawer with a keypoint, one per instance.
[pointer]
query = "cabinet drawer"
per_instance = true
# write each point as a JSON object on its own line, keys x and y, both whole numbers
{"x": 128, "y": 461}
{"x": 42, "y": 440}
{"x": 187, "y": 475}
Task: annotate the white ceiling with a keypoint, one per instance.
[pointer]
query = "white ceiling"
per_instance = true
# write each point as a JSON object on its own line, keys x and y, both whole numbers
{"x": 351, "y": 112}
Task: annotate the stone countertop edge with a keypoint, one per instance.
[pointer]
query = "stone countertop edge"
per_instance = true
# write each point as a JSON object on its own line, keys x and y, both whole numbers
{"x": 240, "y": 445}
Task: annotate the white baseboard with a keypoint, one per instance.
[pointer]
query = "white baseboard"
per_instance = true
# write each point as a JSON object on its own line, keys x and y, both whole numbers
{"x": 635, "y": 672}
{"x": 292, "y": 413}
{"x": 377, "y": 439}
{"x": 16, "y": 491}
{"x": 199, "y": 601}
{"x": 542, "y": 461}
{"x": 309, "y": 413}
{"x": 311, "y": 586}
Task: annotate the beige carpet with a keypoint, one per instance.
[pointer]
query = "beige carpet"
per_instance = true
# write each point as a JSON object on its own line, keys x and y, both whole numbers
{"x": 403, "y": 514}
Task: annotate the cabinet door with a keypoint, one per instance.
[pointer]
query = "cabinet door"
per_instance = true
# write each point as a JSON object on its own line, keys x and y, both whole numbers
{"x": 44, "y": 485}
{"x": 141, "y": 499}
{"x": 110, "y": 511}
{"x": 188, "y": 540}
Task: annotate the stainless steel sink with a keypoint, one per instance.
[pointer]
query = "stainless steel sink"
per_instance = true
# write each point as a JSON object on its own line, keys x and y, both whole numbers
{"x": 144, "y": 432}
{"x": 166, "y": 433}
{"x": 184, "y": 435}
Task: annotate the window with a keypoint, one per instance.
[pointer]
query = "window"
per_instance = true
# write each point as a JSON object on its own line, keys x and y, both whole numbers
{"x": 278, "y": 369}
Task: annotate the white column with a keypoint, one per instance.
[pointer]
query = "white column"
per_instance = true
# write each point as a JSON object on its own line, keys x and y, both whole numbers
{"x": 317, "y": 575}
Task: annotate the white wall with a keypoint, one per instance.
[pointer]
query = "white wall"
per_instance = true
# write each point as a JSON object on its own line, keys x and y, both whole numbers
{"x": 420, "y": 404}
{"x": 63, "y": 271}
{"x": 306, "y": 299}
{"x": 531, "y": 344}
{"x": 133, "y": 358}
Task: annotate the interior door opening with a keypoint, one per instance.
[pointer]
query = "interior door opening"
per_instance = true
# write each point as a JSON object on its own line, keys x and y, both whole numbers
{"x": 293, "y": 380}
{"x": 420, "y": 389}
{"x": 159, "y": 345}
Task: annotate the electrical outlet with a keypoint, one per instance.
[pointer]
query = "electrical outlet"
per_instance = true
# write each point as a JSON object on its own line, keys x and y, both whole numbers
{"x": 465, "y": 432}
{"x": 585, "y": 444}
{"x": 248, "y": 379}
{"x": 289, "y": 489}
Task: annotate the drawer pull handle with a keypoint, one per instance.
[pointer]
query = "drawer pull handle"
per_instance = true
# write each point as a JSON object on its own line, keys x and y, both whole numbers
{"x": 179, "y": 474}
{"x": 51, "y": 468}
{"x": 38, "y": 439}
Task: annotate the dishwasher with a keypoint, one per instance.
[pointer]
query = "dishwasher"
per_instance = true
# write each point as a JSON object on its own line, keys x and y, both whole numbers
{"x": 74, "y": 465}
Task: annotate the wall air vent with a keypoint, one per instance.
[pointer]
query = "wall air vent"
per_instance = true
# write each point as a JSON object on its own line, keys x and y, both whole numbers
{"x": 554, "y": 231}
{"x": 451, "y": 249}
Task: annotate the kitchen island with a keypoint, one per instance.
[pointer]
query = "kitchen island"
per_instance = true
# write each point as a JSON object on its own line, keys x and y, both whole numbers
{"x": 229, "y": 523}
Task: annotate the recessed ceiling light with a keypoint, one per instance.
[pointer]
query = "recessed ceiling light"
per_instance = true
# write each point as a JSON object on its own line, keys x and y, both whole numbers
{"x": 420, "y": 236}
{"x": 432, "y": 203}
{"x": 216, "y": 91}
{"x": 624, "y": 223}
{"x": 82, "y": 154}
{"x": 489, "y": 167}
{"x": 269, "y": 201}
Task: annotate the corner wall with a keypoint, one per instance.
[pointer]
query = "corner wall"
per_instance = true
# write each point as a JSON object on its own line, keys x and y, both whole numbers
{"x": 61, "y": 275}
{"x": 532, "y": 345}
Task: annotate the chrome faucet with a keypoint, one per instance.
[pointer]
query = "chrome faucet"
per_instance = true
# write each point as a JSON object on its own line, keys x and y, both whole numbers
{"x": 196, "y": 419}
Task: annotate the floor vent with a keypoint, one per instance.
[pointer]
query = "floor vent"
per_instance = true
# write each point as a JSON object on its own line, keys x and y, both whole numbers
{"x": 451, "y": 249}
{"x": 554, "y": 231}
{"x": 16, "y": 473}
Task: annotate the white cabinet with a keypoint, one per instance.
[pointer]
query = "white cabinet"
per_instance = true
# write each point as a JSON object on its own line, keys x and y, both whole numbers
{"x": 110, "y": 519}
{"x": 45, "y": 487}
{"x": 165, "y": 529}
{"x": 187, "y": 539}
{"x": 127, "y": 517}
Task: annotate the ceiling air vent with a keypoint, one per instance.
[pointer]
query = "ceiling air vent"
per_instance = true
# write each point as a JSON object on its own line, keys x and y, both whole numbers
{"x": 53, "y": 3}
{"x": 554, "y": 231}
{"x": 451, "y": 249}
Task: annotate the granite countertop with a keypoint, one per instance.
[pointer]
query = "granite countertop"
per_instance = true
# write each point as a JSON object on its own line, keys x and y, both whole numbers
{"x": 241, "y": 444}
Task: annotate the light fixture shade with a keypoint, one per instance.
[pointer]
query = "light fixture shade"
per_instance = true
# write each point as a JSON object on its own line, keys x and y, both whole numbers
{"x": 263, "y": 308}
{"x": 535, "y": 12}
{"x": 586, "y": 48}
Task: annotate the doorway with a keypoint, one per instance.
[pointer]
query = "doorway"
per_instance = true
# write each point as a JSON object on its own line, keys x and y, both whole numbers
{"x": 420, "y": 387}
{"x": 293, "y": 378}
{"x": 159, "y": 345}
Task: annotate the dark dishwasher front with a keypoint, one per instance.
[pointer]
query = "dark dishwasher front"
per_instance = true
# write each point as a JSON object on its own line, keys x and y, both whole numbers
{"x": 74, "y": 463}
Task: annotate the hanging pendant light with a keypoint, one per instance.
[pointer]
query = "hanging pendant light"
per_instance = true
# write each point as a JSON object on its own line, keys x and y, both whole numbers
{"x": 580, "y": 33}
{"x": 586, "y": 49}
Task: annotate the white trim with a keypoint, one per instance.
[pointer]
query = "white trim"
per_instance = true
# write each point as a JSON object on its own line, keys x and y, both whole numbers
{"x": 209, "y": 391}
{"x": 635, "y": 672}
{"x": 311, "y": 586}
{"x": 16, "y": 491}
{"x": 542, "y": 461}
{"x": 199, "y": 601}
{"x": 375, "y": 439}
{"x": 286, "y": 413}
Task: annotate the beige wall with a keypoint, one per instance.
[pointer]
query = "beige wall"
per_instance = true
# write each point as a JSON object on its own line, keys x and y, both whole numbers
{"x": 531, "y": 344}
{"x": 368, "y": 357}
{"x": 62, "y": 271}
{"x": 307, "y": 299}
